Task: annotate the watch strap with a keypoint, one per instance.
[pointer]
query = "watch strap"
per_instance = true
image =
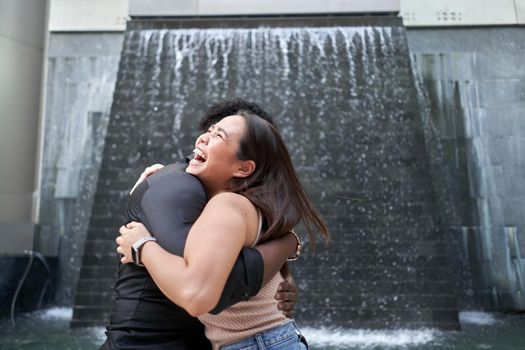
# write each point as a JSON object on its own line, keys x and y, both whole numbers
{"x": 136, "y": 249}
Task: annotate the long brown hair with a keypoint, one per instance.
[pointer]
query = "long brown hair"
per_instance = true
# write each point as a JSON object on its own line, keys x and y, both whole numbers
{"x": 274, "y": 186}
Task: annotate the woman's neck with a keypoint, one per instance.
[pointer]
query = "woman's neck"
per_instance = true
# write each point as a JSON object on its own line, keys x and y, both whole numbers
{"x": 211, "y": 192}
{"x": 213, "y": 189}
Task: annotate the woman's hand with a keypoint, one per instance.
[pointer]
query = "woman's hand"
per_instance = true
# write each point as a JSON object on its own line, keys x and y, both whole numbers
{"x": 147, "y": 172}
{"x": 130, "y": 234}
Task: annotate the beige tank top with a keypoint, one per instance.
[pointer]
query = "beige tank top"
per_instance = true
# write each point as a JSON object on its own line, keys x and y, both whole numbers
{"x": 246, "y": 318}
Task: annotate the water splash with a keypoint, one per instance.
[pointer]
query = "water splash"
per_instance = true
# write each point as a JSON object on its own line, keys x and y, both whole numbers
{"x": 368, "y": 339}
{"x": 56, "y": 313}
{"x": 98, "y": 333}
{"x": 477, "y": 317}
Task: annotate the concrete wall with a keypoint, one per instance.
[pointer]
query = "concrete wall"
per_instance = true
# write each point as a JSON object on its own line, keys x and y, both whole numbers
{"x": 22, "y": 36}
{"x": 22, "y": 41}
{"x": 244, "y": 7}
{"x": 88, "y": 15}
{"x": 440, "y": 13}
{"x": 111, "y": 15}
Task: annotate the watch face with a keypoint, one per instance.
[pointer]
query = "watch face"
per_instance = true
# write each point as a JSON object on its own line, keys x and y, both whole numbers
{"x": 134, "y": 256}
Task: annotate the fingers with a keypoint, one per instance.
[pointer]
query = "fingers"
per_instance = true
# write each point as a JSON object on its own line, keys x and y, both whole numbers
{"x": 125, "y": 259}
{"x": 288, "y": 284}
{"x": 126, "y": 228}
{"x": 141, "y": 178}
{"x": 287, "y": 308}
{"x": 147, "y": 172}
{"x": 286, "y": 296}
{"x": 286, "y": 304}
{"x": 152, "y": 169}
{"x": 129, "y": 234}
{"x": 132, "y": 224}
{"x": 122, "y": 230}
{"x": 120, "y": 250}
{"x": 285, "y": 287}
{"x": 288, "y": 314}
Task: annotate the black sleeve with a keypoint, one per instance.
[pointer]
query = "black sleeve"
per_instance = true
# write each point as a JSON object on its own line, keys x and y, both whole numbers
{"x": 244, "y": 281}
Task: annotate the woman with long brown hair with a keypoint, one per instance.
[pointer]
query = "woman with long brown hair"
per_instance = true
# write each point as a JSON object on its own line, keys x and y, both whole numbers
{"x": 255, "y": 195}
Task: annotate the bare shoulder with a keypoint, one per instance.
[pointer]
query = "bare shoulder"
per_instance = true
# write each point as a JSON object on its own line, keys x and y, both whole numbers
{"x": 231, "y": 199}
{"x": 240, "y": 211}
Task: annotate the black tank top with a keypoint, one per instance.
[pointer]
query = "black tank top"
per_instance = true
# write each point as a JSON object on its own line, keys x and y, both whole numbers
{"x": 143, "y": 318}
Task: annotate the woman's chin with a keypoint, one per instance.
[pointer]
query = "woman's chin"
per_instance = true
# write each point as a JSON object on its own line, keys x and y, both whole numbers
{"x": 194, "y": 168}
{"x": 190, "y": 170}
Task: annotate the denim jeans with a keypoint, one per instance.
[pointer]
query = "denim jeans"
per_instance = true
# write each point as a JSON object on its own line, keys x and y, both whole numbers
{"x": 285, "y": 337}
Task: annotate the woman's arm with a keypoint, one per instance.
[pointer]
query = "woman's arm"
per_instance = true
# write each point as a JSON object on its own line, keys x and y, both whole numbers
{"x": 275, "y": 253}
{"x": 254, "y": 268}
{"x": 196, "y": 281}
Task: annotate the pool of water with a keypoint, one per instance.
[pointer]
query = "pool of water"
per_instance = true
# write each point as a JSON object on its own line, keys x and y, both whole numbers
{"x": 480, "y": 330}
{"x": 49, "y": 329}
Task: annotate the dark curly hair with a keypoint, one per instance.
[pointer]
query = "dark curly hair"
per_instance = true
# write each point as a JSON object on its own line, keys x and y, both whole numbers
{"x": 232, "y": 107}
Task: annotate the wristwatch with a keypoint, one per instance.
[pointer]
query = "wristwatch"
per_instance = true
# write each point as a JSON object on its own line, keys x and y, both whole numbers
{"x": 135, "y": 249}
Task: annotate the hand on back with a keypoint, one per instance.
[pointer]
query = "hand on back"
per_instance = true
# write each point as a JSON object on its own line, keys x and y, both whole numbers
{"x": 147, "y": 172}
{"x": 287, "y": 296}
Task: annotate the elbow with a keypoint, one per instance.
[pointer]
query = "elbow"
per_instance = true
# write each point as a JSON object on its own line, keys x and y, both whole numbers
{"x": 196, "y": 302}
{"x": 195, "y": 310}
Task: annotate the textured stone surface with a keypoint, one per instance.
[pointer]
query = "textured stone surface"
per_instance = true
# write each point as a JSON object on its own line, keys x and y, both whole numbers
{"x": 475, "y": 128}
{"x": 346, "y": 102}
{"x": 82, "y": 70}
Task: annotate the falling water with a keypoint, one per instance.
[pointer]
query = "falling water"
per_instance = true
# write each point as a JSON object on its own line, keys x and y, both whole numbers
{"x": 345, "y": 101}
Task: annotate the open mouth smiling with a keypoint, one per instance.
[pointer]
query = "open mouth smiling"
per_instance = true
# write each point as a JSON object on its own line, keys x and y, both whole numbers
{"x": 199, "y": 156}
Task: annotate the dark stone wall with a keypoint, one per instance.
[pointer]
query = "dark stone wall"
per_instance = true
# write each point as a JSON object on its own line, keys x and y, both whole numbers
{"x": 474, "y": 84}
{"x": 345, "y": 100}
